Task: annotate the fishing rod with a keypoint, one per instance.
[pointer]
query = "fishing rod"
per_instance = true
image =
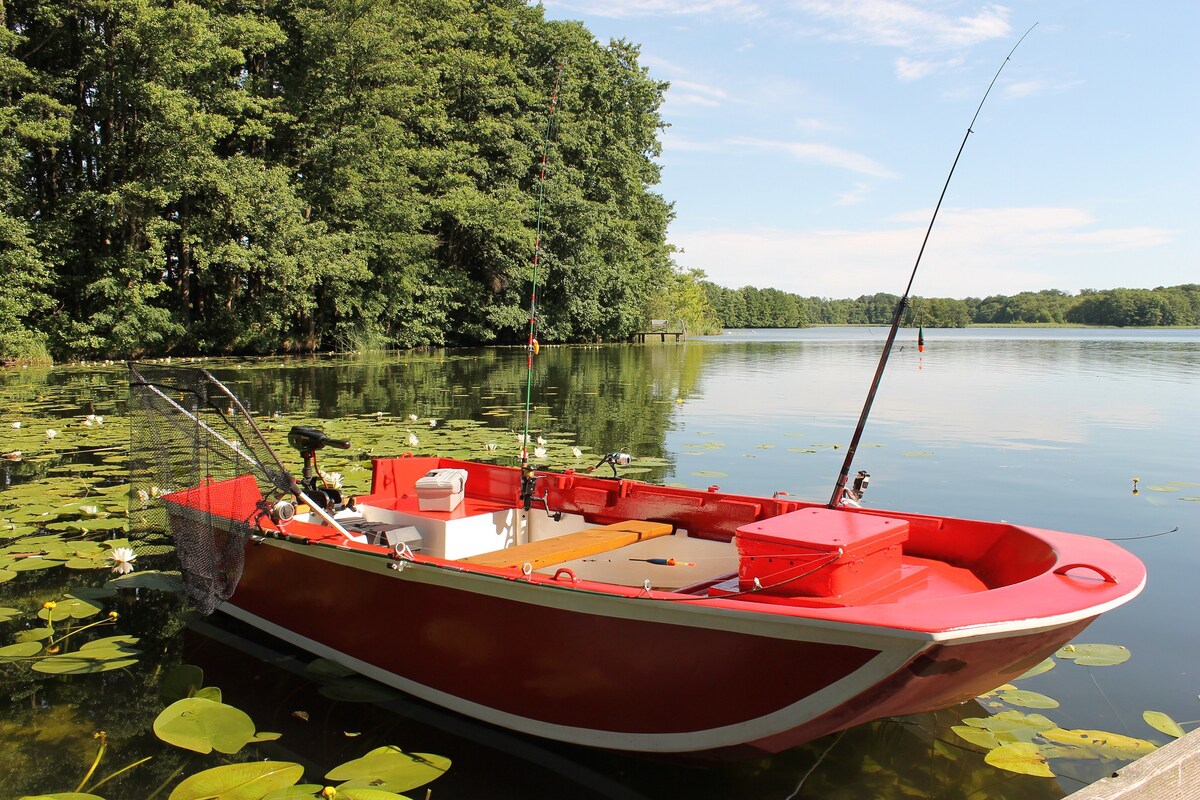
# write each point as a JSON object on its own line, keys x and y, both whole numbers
{"x": 527, "y": 477}
{"x": 839, "y": 488}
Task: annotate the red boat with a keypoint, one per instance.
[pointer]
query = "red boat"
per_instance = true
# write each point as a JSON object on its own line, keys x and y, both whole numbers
{"x": 617, "y": 614}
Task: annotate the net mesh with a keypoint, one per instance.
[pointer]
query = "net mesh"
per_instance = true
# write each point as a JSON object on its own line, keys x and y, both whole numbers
{"x": 201, "y": 469}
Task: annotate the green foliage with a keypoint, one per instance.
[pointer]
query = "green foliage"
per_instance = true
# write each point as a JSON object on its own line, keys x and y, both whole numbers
{"x": 191, "y": 177}
{"x": 684, "y": 303}
{"x": 750, "y": 307}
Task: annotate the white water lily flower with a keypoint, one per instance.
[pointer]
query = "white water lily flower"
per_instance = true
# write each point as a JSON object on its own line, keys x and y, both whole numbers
{"x": 378, "y": 415}
{"x": 413, "y": 441}
{"x": 51, "y": 433}
{"x": 575, "y": 451}
{"x": 539, "y": 452}
{"x": 433, "y": 423}
{"x": 16, "y": 424}
{"x": 143, "y": 497}
{"x": 122, "y": 558}
{"x": 522, "y": 439}
{"x": 490, "y": 447}
{"x": 413, "y": 417}
{"x": 541, "y": 442}
{"x": 334, "y": 479}
{"x": 91, "y": 511}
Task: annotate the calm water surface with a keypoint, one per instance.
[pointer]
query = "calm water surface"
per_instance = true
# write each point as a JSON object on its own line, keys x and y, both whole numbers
{"x": 1040, "y": 427}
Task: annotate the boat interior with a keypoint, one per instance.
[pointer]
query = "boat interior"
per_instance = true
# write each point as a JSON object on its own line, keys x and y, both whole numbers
{"x": 582, "y": 528}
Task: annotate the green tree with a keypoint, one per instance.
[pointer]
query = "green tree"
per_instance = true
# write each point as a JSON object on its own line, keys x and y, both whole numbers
{"x": 33, "y": 125}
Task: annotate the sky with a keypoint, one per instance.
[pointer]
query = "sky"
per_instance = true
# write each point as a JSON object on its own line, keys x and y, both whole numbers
{"x": 808, "y": 141}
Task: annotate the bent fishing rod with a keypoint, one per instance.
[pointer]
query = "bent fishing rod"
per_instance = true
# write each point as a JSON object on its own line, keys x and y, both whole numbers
{"x": 839, "y": 488}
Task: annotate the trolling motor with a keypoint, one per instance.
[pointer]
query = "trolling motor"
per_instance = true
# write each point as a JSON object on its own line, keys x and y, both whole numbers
{"x": 614, "y": 460}
{"x": 308, "y": 441}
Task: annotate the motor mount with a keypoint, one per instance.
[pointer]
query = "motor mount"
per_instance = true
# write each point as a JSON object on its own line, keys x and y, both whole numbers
{"x": 308, "y": 441}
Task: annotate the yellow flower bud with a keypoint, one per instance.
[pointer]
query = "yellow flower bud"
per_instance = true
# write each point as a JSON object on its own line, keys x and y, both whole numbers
{"x": 329, "y": 791}
{"x": 49, "y": 605}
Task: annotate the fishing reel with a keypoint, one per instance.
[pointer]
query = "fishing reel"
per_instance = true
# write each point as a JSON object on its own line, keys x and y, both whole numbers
{"x": 614, "y": 460}
{"x": 853, "y": 496}
{"x": 308, "y": 441}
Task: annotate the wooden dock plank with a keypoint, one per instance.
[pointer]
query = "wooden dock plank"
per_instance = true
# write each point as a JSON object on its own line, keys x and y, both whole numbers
{"x": 571, "y": 546}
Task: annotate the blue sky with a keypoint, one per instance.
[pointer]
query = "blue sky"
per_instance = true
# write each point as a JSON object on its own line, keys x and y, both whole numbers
{"x": 809, "y": 140}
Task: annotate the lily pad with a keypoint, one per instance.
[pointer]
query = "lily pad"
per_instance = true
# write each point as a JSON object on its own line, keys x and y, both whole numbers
{"x": 1045, "y": 666}
{"x": 389, "y": 768}
{"x": 324, "y": 669}
{"x": 1020, "y": 757}
{"x": 34, "y": 635}
{"x": 977, "y": 736}
{"x": 19, "y": 650}
{"x": 248, "y": 781}
{"x": 301, "y": 791}
{"x": 34, "y": 563}
{"x": 356, "y": 689}
{"x": 1163, "y": 723}
{"x": 70, "y": 608}
{"x": 7, "y": 614}
{"x": 100, "y": 659}
{"x": 1028, "y": 699}
{"x": 204, "y": 725}
{"x": 1110, "y": 745}
{"x": 148, "y": 579}
{"x": 181, "y": 682}
{"x": 1095, "y": 655}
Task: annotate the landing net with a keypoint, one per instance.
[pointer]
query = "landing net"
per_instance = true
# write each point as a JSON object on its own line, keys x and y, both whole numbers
{"x": 201, "y": 469}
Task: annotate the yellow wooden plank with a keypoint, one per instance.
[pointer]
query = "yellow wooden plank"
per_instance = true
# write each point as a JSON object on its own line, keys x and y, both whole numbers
{"x": 571, "y": 546}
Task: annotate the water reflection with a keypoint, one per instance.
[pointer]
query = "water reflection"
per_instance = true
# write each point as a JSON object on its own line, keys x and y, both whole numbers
{"x": 1039, "y": 428}
{"x": 912, "y": 757}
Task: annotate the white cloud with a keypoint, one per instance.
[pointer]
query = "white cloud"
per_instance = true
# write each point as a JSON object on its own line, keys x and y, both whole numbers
{"x": 674, "y": 143}
{"x": 854, "y": 195}
{"x": 621, "y": 9}
{"x": 1039, "y": 87}
{"x": 909, "y": 69}
{"x": 971, "y": 253}
{"x": 690, "y": 93}
{"x": 907, "y": 25}
{"x": 814, "y": 153}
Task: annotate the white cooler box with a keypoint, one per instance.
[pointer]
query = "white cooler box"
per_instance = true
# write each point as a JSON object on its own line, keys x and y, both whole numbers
{"x": 441, "y": 489}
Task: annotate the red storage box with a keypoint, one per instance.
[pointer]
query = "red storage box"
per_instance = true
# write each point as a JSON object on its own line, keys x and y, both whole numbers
{"x": 798, "y": 553}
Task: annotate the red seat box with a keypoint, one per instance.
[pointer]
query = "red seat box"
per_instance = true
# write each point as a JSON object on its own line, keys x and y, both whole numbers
{"x": 819, "y": 552}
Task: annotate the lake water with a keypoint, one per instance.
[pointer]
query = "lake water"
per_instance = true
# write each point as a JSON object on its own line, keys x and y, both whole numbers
{"x": 1043, "y": 427}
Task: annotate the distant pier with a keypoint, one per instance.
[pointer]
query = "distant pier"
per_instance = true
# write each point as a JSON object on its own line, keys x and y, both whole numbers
{"x": 660, "y": 328}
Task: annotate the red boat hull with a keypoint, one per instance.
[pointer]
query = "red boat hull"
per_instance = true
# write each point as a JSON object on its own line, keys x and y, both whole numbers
{"x": 585, "y": 668}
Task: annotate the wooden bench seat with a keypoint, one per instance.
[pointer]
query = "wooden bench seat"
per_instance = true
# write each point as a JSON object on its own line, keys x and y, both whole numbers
{"x": 571, "y": 546}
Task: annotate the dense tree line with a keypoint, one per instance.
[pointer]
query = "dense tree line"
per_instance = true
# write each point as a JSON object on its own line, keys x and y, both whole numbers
{"x": 749, "y": 307}
{"x": 211, "y": 177}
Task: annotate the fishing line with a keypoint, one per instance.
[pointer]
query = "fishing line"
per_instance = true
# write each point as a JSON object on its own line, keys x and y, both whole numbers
{"x": 839, "y": 488}
{"x": 1135, "y": 538}
{"x": 532, "y": 346}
